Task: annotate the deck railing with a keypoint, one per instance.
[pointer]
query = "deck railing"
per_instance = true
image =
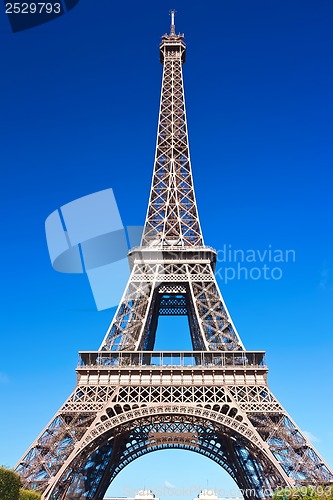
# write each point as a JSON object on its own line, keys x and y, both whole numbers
{"x": 216, "y": 359}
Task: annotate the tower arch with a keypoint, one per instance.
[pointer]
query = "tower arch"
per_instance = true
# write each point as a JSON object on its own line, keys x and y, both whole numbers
{"x": 148, "y": 429}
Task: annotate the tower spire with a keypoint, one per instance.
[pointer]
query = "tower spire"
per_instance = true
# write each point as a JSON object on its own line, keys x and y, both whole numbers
{"x": 172, "y": 218}
{"x": 172, "y": 25}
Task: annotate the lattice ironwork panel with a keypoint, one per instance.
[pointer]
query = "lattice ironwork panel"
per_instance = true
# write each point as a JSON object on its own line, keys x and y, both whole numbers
{"x": 52, "y": 448}
{"x": 291, "y": 448}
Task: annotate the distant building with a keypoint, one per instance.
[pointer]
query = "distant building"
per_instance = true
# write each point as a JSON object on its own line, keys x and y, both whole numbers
{"x": 211, "y": 495}
{"x": 145, "y": 495}
{"x": 141, "y": 495}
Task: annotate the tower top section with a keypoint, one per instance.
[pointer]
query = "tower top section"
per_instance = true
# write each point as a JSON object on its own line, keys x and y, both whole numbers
{"x": 172, "y": 45}
{"x": 172, "y": 218}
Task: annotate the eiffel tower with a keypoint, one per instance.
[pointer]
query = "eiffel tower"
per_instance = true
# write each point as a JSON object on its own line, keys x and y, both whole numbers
{"x": 131, "y": 400}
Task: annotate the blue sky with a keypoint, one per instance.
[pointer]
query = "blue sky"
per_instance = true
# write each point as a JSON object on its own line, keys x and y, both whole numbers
{"x": 79, "y": 107}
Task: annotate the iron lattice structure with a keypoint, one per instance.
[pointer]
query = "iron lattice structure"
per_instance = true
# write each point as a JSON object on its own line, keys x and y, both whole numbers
{"x": 131, "y": 400}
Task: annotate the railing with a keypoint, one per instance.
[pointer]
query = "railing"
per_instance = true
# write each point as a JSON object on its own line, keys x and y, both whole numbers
{"x": 218, "y": 359}
{"x": 167, "y": 248}
{"x": 172, "y": 252}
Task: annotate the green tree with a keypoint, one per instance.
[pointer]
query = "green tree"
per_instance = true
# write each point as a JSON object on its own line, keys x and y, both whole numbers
{"x": 9, "y": 484}
{"x": 29, "y": 495}
{"x": 325, "y": 492}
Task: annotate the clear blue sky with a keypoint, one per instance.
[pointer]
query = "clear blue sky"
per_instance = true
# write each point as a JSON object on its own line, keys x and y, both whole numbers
{"x": 79, "y": 105}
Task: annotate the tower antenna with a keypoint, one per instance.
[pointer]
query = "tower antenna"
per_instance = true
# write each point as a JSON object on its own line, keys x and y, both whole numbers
{"x": 172, "y": 25}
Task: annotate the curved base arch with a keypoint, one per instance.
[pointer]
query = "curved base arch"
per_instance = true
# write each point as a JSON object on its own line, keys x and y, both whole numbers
{"x": 114, "y": 443}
